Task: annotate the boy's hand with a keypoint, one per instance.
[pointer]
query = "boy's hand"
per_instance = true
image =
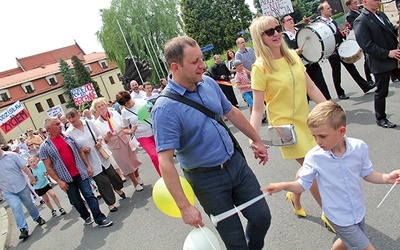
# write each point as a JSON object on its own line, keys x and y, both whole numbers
{"x": 272, "y": 188}
{"x": 394, "y": 176}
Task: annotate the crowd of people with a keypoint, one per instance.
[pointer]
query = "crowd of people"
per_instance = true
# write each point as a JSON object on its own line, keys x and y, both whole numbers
{"x": 100, "y": 142}
{"x": 81, "y": 153}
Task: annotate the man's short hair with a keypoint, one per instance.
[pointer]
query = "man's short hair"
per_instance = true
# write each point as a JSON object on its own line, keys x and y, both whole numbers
{"x": 327, "y": 112}
{"x": 348, "y": 2}
{"x": 322, "y": 5}
{"x": 146, "y": 83}
{"x": 173, "y": 49}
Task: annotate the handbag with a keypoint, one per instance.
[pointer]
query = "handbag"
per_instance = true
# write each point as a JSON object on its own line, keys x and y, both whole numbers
{"x": 103, "y": 153}
{"x": 283, "y": 135}
{"x": 101, "y": 150}
{"x": 207, "y": 112}
{"x": 133, "y": 143}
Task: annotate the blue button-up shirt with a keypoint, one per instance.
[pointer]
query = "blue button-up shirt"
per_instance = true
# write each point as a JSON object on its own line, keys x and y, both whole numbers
{"x": 338, "y": 180}
{"x": 198, "y": 139}
{"x": 49, "y": 150}
{"x": 11, "y": 177}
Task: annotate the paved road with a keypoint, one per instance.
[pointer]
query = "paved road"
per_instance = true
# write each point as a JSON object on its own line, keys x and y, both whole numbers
{"x": 138, "y": 224}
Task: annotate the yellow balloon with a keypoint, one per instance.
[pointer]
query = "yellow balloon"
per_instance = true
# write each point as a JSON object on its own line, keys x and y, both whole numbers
{"x": 164, "y": 200}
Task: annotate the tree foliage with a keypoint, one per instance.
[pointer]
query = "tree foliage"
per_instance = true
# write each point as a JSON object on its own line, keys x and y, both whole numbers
{"x": 215, "y": 22}
{"x": 69, "y": 81}
{"x": 154, "y": 21}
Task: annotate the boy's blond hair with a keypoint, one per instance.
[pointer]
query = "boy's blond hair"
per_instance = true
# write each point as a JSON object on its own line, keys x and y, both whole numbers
{"x": 32, "y": 157}
{"x": 327, "y": 112}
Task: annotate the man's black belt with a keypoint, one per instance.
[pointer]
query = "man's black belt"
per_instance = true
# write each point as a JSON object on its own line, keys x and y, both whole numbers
{"x": 207, "y": 169}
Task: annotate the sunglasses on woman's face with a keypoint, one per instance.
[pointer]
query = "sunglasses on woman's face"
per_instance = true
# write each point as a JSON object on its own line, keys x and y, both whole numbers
{"x": 271, "y": 31}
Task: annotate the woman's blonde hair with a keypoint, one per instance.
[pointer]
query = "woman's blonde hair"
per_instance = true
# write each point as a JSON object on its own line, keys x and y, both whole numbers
{"x": 257, "y": 28}
{"x": 97, "y": 101}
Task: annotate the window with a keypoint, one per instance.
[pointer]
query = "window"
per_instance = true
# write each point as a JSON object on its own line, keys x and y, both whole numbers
{"x": 88, "y": 68}
{"x": 61, "y": 98}
{"x": 103, "y": 64}
{"x": 50, "y": 103}
{"x": 5, "y": 96}
{"x": 111, "y": 80}
{"x": 51, "y": 80}
{"x": 39, "y": 107}
{"x": 28, "y": 87}
{"x": 120, "y": 78}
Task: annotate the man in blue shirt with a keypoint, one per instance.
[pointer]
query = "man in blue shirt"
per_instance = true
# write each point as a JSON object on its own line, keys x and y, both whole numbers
{"x": 218, "y": 174}
{"x": 16, "y": 191}
{"x": 245, "y": 54}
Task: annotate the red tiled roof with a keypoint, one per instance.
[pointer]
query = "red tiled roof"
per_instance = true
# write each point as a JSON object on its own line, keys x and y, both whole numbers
{"x": 10, "y": 72}
{"x": 41, "y": 72}
{"x": 50, "y": 57}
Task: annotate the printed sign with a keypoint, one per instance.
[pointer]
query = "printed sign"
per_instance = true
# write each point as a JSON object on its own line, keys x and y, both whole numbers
{"x": 276, "y": 8}
{"x": 83, "y": 94}
{"x": 54, "y": 111}
{"x": 12, "y": 117}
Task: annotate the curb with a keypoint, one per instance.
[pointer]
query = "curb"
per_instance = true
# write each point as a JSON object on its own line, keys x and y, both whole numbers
{"x": 5, "y": 235}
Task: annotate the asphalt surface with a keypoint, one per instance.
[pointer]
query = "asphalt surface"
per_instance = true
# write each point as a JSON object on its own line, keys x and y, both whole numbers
{"x": 138, "y": 224}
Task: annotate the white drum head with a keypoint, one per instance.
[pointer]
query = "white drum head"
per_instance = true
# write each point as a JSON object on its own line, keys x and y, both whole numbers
{"x": 317, "y": 41}
{"x": 348, "y": 48}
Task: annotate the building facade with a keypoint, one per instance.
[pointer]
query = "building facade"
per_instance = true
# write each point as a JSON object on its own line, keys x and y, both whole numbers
{"x": 38, "y": 85}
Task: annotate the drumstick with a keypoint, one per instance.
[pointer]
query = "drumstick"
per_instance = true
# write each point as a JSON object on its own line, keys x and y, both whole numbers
{"x": 305, "y": 42}
{"x": 217, "y": 218}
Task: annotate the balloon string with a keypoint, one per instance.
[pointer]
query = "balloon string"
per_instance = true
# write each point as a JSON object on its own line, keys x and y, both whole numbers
{"x": 206, "y": 237}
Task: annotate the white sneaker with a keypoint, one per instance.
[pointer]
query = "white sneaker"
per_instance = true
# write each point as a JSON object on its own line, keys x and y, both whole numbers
{"x": 138, "y": 188}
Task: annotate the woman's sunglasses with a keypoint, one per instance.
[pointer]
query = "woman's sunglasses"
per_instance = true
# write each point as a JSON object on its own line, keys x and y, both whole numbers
{"x": 271, "y": 31}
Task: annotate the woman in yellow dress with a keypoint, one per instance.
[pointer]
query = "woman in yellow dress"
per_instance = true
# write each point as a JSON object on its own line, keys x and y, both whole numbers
{"x": 279, "y": 78}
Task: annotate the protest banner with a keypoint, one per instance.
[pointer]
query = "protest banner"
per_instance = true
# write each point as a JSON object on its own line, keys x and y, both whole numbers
{"x": 83, "y": 94}
{"x": 55, "y": 111}
{"x": 12, "y": 117}
{"x": 276, "y": 8}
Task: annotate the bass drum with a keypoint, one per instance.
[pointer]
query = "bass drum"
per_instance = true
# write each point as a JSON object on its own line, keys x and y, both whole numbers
{"x": 317, "y": 41}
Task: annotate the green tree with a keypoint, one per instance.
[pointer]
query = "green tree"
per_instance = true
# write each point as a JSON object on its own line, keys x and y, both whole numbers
{"x": 215, "y": 22}
{"x": 69, "y": 81}
{"x": 156, "y": 21}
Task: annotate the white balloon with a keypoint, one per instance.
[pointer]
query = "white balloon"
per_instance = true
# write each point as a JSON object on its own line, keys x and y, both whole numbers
{"x": 201, "y": 239}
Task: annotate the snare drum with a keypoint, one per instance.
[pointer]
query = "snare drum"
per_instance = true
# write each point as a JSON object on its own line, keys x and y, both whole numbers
{"x": 349, "y": 51}
{"x": 317, "y": 41}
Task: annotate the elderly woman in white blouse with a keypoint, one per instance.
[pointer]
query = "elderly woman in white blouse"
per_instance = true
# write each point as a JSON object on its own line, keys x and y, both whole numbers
{"x": 110, "y": 125}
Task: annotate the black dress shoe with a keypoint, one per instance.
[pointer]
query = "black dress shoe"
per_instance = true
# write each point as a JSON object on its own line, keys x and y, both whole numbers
{"x": 385, "y": 123}
{"x": 24, "y": 233}
{"x": 370, "y": 86}
{"x": 343, "y": 97}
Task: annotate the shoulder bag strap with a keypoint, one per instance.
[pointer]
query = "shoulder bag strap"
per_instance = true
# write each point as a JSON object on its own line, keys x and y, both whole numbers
{"x": 90, "y": 130}
{"x": 151, "y": 125}
{"x": 207, "y": 112}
